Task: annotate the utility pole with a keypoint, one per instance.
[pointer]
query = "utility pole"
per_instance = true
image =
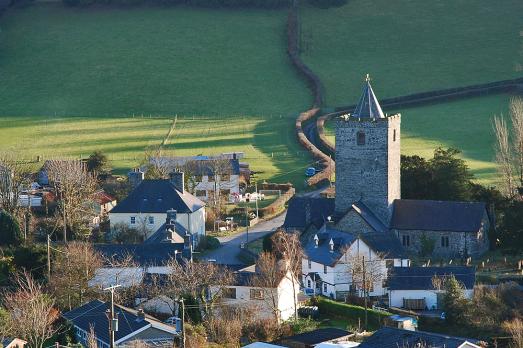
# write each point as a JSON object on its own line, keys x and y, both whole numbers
{"x": 247, "y": 217}
{"x": 48, "y": 257}
{"x": 111, "y": 317}
{"x": 257, "y": 197}
{"x": 182, "y": 343}
{"x": 365, "y": 290}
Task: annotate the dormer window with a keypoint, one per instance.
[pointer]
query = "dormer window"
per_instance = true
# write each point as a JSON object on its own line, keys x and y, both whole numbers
{"x": 360, "y": 138}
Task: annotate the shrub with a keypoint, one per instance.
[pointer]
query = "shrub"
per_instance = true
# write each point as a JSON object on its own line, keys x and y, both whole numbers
{"x": 10, "y": 233}
{"x": 124, "y": 234}
{"x": 209, "y": 243}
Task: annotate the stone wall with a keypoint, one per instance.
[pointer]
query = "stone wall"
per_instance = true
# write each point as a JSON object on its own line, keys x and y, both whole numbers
{"x": 369, "y": 172}
{"x": 474, "y": 243}
{"x": 353, "y": 222}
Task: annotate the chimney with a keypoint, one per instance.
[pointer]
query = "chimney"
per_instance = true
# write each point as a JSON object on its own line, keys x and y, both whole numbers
{"x": 140, "y": 315}
{"x": 177, "y": 179}
{"x": 171, "y": 217}
{"x": 187, "y": 246}
{"x": 135, "y": 177}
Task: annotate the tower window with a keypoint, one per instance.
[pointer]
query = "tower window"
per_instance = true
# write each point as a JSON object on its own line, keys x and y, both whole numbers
{"x": 394, "y": 135}
{"x": 360, "y": 138}
{"x": 406, "y": 240}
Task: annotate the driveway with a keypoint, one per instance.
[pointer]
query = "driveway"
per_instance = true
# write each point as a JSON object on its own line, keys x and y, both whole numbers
{"x": 228, "y": 252}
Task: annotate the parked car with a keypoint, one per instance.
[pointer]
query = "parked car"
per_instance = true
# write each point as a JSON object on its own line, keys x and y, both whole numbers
{"x": 311, "y": 171}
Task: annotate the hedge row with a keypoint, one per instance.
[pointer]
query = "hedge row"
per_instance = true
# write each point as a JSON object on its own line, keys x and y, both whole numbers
{"x": 200, "y": 3}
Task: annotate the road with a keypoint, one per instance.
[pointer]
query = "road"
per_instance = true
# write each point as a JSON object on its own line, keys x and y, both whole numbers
{"x": 228, "y": 252}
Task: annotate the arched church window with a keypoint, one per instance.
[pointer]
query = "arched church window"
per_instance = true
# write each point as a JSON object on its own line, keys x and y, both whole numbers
{"x": 360, "y": 138}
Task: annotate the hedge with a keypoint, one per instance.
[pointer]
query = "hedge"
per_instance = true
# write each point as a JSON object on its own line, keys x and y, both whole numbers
{"x": 352, "y": 314}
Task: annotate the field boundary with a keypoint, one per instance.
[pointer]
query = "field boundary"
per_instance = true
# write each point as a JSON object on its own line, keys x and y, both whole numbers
{"x": 416, "y": 99}
{"x": 315, "y": 85}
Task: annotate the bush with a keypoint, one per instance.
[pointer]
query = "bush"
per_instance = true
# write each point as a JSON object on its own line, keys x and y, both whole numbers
{"x": 10, "y": 233}
{"x": 327, "y": 3}
{"x": 209, "y": 243}
{"x": 124, "y": 234}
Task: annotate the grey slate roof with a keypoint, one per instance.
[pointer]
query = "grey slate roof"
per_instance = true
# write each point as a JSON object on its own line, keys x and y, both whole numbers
{"x": 143, "y": 254}
{"x": 388, "y": 337}
{"x": 316, "y": 336}
{"x": 368, "y": 105}
{"x": 420, "y": 278}
{"x": 367, "y": 215}
{"x": 322, "y": 253}
{"x": 161, "y": 233}
{"x": 158, "y": 196}
{"x": 93, "y": 313}
{"x": 385, "y": 243}
{"x": 303, "y": 211}
{"x": 411, "y": 214}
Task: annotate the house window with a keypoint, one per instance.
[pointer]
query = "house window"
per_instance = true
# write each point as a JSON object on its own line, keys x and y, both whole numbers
{"x": 133, "y": 220}
{"x": 225, "y": 177}
{"x": 309, "y": 263}
{"x": 445, "y": 242}
{"x": 150, "y": 220}
{"x": 406, "y": 240}
{"x": 324, "y": 287}
{"x": 210, "y": 178}
{"x": 200, "y": 193}
{"x": 360, "y": 138}
{"x": 394, "y": 135}
{"x": 325, "y": 269}
{"x": 256, "y": 294}
{"x": 229, "y": 293}
{"x": 309, "y": 284}
{"x": 197, "y": 178}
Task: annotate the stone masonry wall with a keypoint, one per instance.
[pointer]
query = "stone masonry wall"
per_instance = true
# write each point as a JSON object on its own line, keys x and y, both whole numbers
{"x": 475, "y": 243}
{"x": 368, "y": 172}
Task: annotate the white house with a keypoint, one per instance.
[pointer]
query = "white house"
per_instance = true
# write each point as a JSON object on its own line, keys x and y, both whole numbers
{"x": 146, "y": 207}
{"x": 242, "y": 294}
{"x": 330, "y": 254}
{"x": 420, "y": 288}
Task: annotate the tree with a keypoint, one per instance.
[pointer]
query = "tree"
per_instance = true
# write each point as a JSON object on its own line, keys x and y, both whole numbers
{"x": 75, "y": 188}
{"x": 509, "y": 148}
{"x": 515, "y": 328}
{"x": 416, "y": 175}
{"x": 97, "y": 162}
{"x": 72, "y": 269}
{"x": 10, "y": 233}
{"x": 267, "y": 278}
{"x": 454, "y": 302}
{"x": 450, "y": 175}
{"x": 31, "y": 313}
{"x": 511, "y": 227}
{"x": 14, "y": 176}
{"x": 288, "y": 247}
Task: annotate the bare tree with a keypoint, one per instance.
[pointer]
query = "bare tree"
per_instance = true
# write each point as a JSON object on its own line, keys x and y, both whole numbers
{"x": 288, "y": 246}
{"x": 194, "y": 279}
{"x": 31, "y": 312}
{"x": 72, "y": 269}
{"x": 509, "y": 147}
{"x": 219, "y": 168}
{"x": 75, "y": 188}
{"x": 515, "y": 329}
{"x": 266, "y": 280}
{"x": 91, "y": 338}
{"x": 14, "y": 176}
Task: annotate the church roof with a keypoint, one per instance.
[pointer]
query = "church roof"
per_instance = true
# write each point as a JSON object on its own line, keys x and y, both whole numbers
{"x": 303, "y": 211}
{"x": 412, "y": 214}
{"x": 368, "y": 105}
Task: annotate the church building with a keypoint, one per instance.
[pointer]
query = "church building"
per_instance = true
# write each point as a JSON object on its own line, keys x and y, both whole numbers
{"x": 368, "y": 193}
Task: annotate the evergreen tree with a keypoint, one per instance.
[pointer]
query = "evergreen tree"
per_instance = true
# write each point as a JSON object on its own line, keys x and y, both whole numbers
{"x": 450, "y": 176}
{"x": 454, "y": 303}
{"x": 10, "y": 233}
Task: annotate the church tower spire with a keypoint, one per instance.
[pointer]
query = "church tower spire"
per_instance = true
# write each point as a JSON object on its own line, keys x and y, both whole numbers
{"x": 368, "y": 157}
{"x": 368, "y": 105}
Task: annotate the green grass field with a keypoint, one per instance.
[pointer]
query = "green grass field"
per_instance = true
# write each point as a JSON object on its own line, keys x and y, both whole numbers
{"x": 72, "y": 80}
{"x": 411, "y": 46}
{"x": 464, "y": 124}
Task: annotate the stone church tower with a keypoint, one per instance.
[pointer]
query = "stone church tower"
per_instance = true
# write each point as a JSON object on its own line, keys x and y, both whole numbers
{"x": 368, "y": 157}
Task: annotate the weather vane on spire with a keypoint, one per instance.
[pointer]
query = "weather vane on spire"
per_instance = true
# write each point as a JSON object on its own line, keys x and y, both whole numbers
{"x": 367, "y": 78}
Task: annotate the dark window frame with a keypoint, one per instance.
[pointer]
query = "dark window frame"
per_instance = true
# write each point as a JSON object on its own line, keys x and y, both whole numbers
{"x": 360, "y": 138}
